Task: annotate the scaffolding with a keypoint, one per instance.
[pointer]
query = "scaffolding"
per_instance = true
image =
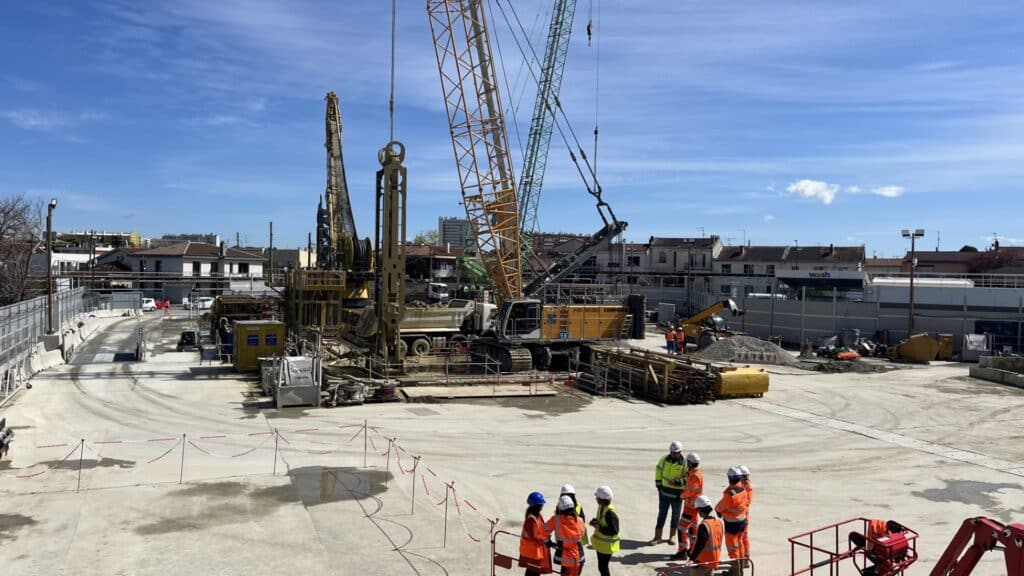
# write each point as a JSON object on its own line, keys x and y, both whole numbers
{"x": 316, "y": 301}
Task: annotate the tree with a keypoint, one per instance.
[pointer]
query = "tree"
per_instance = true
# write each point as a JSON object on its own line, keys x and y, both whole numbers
{"x": 427, "y": 237}
{"x": 968, "y": 248}
{"x": 20, "y": 231}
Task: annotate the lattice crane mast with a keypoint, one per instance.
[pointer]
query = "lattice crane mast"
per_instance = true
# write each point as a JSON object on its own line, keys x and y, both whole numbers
{"x": 473, "y": 104}
{"x": 548, "y": 87}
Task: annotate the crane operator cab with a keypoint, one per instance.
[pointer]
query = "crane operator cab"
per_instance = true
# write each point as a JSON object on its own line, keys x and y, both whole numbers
{"x": 519, "y": 319}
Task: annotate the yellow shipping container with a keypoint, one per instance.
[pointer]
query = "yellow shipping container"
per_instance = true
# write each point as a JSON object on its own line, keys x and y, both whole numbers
{"x": 254, "y": 339}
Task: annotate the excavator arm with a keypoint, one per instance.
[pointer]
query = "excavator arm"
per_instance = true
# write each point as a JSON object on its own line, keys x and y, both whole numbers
{"x": 962, "y": 555}
{"x": 710, "y": 311}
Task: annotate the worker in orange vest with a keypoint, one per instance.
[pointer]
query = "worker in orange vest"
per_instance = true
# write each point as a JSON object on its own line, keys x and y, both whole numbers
{"x": 670, "y": 340}
{"x": 693, "y": 489}
{"x": 876, "y": 529}
{"x": 707, "y": 548}
{"x": 750, "y": 500}
{"x": 569, "y": 531}
{"x": 733, "y": 509}
{"x": 534, "y": 554}
{"x": 680, "y": 340}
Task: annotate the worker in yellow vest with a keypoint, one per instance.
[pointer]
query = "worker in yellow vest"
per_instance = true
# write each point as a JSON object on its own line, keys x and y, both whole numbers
{"x": 606, "y": 529}
{"x": 669, "y": 478}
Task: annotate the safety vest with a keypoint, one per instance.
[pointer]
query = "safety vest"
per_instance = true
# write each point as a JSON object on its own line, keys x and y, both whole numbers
{"x": 602, "y": 542}
{"x": 680, "y": 337}
{"x": 579, "y": 514}
{"x": 533, "y": 554}
{"x": 733, "y": 505}
{"x": 750, "y": 491}
{"x": 709, "y": 554}
{"x": 876, "y": 529}
{"x": 670, "y": 335}
{"x": 569, "y": 534}
{"x": 670, "y": 474}
{"x": 694, "y": 487}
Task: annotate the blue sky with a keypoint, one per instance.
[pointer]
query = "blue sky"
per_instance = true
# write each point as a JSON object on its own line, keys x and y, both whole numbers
{"x": 776, "y": 121}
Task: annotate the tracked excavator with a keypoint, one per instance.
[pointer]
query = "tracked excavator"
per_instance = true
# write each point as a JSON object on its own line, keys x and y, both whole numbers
{"x": 522, "y": 331}
{"x": 338, "y": 246}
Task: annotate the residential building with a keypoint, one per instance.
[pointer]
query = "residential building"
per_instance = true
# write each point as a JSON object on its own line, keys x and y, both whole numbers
{"x": 883, "y": 266}
{"x": 434, "y": 263}
{"x": 173, "y": 272}
{"x": 454, "y": 231}
{"x": 740, "y": 270}
{"x": 671, "y": 261}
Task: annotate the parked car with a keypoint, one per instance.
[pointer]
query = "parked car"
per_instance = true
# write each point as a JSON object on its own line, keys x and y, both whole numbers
{"x": 205, "y": 303}
{"x": 148, "y": 304}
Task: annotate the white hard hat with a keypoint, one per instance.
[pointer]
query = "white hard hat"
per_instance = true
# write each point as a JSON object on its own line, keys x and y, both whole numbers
{"x": 568, "y": 489}
{"x": 743, "y": 470}
{"x": 676, "y": 446}
{"x": 603, "y": 492}
{"x": 734, "y": 472}
{"x": 702, "y": 502}
{"x": 565, "y": 503}
{"x": 693, "y": 458}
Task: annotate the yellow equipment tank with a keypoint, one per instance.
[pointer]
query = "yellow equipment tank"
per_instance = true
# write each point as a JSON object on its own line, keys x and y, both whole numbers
{"x": 742, "y": 381}
{"x": 254, "y": 339}
{"x": 919, "y": 348}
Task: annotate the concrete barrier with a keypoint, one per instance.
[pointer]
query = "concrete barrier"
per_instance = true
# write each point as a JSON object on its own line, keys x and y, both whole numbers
{"x": 999, "y": 376}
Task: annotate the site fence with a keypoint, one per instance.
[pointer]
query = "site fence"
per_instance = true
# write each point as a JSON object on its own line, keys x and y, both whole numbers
{"x": 23, "y": 324}
{"x": 354, "y": 454}
{"x": 814, "y": 318}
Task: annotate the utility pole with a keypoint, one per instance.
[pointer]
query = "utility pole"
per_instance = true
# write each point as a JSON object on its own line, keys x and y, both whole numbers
{"x": 917, "y": 233}
{"x": 271, "y": 253}
{"x": 49, "y": 265}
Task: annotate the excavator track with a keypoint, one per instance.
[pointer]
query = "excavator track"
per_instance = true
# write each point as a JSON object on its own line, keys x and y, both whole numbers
{"x": 510, "y": 358}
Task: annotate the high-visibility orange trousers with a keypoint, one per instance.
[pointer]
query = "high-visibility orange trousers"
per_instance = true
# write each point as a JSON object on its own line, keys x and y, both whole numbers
{"x": 734, "y": 544}
{"x": 687, "y": 521}
{"x": 746, "y": 540}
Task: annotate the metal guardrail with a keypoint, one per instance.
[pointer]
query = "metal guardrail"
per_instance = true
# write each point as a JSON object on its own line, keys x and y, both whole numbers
{"x": 23, "y": 324}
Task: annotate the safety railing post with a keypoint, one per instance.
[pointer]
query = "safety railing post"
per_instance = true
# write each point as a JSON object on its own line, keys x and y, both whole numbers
{"x": 387, "y": 463}
{"x": 366, "y": 437}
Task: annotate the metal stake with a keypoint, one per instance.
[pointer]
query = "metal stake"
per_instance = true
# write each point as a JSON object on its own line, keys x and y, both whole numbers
{"x": 366, "y": 435}
{"x": 387, "y": 463}
{"x": 275, "y": 451}
{"x": 181, "y": 472}
{"x": 415, "y": 464}
{"x": 444, "y": 543}
{"x": 81, "y": 451}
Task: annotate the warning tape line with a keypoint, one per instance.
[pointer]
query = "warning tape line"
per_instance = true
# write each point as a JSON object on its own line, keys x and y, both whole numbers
{"x": 211, "y": 437}
{"x": 109, "y": 442}
{"x": 165, "y": 453}
{"x": 194, "y": 445}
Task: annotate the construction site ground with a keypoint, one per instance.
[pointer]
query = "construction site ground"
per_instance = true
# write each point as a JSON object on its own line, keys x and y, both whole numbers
{"x": 927, "y": 446}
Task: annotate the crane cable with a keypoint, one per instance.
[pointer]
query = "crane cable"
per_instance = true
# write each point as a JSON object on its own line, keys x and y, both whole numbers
{"x": 391, "y": 100}
{"x": 597, "y": 75}
{"x": 593, "y": 190}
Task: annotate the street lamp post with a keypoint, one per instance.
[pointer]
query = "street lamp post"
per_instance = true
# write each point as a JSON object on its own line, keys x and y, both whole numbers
{"x": 917, "y": 233}
{"x": 49, "y": 265}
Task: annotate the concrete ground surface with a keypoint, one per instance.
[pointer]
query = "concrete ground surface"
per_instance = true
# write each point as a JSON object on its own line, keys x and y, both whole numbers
{"x": 925, "y": 446}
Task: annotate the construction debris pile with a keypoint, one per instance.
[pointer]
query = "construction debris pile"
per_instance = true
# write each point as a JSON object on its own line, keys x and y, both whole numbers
{"x": 748, "y": 349}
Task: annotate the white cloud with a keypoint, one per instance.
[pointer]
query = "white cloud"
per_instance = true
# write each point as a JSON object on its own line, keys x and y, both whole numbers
{"x": 39, "y": 120}
{"x": 853, "y": 189}
{"x": 888, "y": 191}
{"x": 768, "y": 217}
{"x": 46, "y": 121}
{"x": 814, "y": 189}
